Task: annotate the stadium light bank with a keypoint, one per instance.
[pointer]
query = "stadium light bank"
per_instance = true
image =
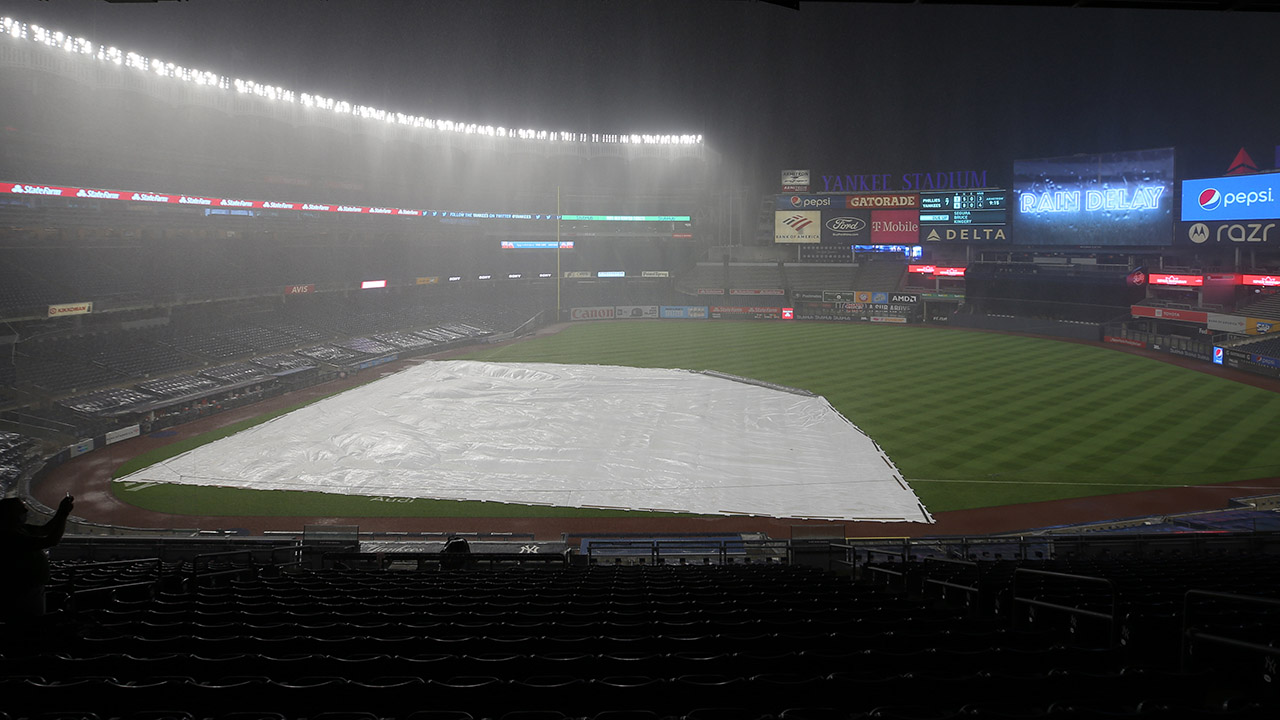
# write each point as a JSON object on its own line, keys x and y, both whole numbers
{"x": 21, "y": 31}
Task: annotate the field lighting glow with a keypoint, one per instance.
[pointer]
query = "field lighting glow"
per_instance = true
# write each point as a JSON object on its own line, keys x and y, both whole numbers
{"x": 20, "y": 31}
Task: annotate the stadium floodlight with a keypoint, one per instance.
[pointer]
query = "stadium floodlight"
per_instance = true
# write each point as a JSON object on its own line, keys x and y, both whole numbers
{"x": 18, "y": 30}
{"x": 111, "y": 55}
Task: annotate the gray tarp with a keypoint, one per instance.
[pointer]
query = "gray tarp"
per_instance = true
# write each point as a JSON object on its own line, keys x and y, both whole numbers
{"x": 567, "y": 435}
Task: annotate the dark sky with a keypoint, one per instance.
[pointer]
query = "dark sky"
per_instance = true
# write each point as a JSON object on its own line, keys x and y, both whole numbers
{"x": 833, "y": 87}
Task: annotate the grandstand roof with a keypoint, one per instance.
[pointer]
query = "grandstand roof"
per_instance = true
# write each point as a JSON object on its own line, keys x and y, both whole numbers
{"x": 835, "y": 87}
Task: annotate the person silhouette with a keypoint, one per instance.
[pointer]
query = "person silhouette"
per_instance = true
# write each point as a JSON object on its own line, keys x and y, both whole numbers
{"x": 24, "y": 566}
{"x": 456, "y": 554}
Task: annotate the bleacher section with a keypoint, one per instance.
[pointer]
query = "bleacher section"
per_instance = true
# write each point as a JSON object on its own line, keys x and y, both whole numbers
{"x": 1074, "y": 637}
{"x": 1267, "y": 309}
{"x": 703, "y": 276}
{"x": 77, "y": 363}
{"x": 1265, "y": 346}
{"x": 17, "y": 454}
{"x": 823, "y": 277}
{"x": 874, "y": 275}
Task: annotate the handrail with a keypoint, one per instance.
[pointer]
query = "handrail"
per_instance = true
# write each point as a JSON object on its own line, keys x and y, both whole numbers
{"x": 195, "y": 563}
{"x": 1189, "y": 632}
{"x": 110, "y": 563}
{"x": 105, "y": 588}
{"x": 203, "y": 556}
{"x": 297, "y": 560}
{"x": 900, "y": 554}
{"x": 1071, "y": 610}
{"x": 720, "y": 548}
{"x": 73, "y": 572}
{"x": 848, "y": 550}
{"x": 954, "y": 561}
{"x": 970, "y": 589}
{"x": 716, "y": 547}
{"x": 473, "y": 559}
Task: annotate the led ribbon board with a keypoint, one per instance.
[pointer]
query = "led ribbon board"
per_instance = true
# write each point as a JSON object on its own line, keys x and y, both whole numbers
{"x": 213, "y": 203}
{"x": 537, "y": 245}
{"x": 1176, "y": 280}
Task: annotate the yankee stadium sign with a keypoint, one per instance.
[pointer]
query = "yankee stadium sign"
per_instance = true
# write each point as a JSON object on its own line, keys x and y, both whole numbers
{"x": 948, "y": 180}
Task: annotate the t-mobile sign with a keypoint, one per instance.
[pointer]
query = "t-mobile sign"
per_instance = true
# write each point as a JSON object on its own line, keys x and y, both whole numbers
{"x": 895, "y": 227}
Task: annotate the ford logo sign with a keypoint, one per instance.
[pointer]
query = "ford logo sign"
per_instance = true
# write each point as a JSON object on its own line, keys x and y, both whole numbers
{"x": 846, "y": 224}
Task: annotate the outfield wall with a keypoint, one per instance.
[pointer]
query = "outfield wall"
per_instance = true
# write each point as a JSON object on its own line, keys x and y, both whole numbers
{"x": 1032, "y": 326}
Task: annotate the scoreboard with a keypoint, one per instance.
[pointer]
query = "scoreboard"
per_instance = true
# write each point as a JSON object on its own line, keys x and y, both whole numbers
{"x": 964, "y": 207}
{"x": 967, "y": 216}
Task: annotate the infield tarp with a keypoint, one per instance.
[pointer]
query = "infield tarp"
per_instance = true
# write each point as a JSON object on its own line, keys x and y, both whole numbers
{"x": 566, "y": 435}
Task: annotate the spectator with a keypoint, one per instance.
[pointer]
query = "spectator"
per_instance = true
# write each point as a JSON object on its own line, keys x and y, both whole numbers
{"x": 455, "y": 555}
{"x": 24, "y": 566}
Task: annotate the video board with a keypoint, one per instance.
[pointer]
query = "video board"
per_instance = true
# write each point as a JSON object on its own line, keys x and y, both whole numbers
{"x": 1108, "y": 199}
{"x": 1227, "y": 210}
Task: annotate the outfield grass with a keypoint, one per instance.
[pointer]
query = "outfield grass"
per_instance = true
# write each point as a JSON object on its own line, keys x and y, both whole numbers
{"x": 974, "y": 419}
{"x": 971, "y": 419}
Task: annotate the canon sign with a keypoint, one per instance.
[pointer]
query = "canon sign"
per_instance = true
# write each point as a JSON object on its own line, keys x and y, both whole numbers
{"x": 592, "y": 313}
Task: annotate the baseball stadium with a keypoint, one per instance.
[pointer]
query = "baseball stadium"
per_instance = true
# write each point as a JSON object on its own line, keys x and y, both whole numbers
{"x": 344, "y": 413}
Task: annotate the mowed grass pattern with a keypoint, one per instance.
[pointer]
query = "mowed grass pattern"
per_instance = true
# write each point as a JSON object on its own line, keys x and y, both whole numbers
{"x": 973, "y": 419}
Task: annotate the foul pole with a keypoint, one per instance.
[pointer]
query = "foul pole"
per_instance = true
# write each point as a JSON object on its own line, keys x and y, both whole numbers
{"x": 558, "y": 273}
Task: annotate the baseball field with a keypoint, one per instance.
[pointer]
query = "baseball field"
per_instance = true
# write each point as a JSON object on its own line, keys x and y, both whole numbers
{"x": 971, "y": 419}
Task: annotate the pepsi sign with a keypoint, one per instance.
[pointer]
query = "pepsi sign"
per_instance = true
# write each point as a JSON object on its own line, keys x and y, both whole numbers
{"x": 1237, "y": 197}
{"x": 808, "y": 202}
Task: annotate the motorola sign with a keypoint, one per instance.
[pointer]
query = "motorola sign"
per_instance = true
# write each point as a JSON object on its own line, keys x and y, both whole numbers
{"x": 1226, "y": 233}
